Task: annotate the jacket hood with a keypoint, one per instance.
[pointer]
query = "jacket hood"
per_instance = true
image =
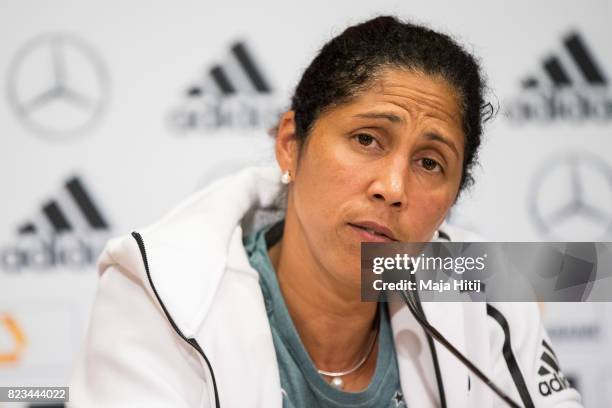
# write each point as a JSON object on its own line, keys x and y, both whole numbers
{"x": 190, "y": 233}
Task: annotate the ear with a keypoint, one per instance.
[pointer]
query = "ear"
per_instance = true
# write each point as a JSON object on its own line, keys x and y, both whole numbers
{"x": 286, "y": 145}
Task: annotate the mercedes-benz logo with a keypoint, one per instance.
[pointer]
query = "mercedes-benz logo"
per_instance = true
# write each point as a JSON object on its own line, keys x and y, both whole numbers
{"x": 57, "y": 85}
{"x": 571, "y": 198}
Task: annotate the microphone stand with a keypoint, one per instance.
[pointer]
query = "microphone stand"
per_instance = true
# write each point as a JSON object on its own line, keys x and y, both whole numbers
{"x": 433, "y": 332}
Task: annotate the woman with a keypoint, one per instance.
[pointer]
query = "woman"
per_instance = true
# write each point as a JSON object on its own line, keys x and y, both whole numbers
{"x": 218, "y": 304}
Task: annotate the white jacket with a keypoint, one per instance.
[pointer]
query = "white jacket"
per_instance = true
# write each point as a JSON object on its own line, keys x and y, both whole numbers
{"x": 179, "y": 321}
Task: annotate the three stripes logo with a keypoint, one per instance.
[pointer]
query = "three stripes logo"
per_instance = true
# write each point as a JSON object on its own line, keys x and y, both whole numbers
{"x": 79, "y": 214}
{"x": 571, "y": 86}
{"x": 234, "y": 94}
{"x": 240, "y": 74}
{"x": 69, "y": 231}
{"x": 550, "y": 373}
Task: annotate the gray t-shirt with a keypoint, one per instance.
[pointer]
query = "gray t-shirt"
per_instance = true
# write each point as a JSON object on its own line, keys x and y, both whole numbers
{"x": 302, "y": 386}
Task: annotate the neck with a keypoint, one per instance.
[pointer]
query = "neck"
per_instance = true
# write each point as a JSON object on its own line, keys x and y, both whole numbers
{"x": 334, "y": 325}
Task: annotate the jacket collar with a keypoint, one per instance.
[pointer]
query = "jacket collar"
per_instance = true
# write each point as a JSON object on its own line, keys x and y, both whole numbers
{"x": 187, "y": 280}
{"x": 196, "y": 242}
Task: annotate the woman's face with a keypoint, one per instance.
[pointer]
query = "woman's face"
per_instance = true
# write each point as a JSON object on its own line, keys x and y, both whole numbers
{"x": 393, "y": 156}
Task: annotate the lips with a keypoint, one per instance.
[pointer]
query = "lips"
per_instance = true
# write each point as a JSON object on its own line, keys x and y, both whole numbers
{"x": 373, "y": 231}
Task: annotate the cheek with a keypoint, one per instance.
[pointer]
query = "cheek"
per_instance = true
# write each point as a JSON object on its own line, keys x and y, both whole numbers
{"x": 327, "y": 178}
{"x": 425, "y": 212}
{"x": 328, "y": 182}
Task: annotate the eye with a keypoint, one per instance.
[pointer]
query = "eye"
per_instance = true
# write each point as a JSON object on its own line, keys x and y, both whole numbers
{"x": 364, "y": 139}
{"x": 368, "y": 142}
{"x": 430, "y": 164}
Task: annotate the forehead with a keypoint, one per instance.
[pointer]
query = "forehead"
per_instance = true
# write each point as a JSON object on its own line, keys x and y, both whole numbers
{"x": 412, "y": 94}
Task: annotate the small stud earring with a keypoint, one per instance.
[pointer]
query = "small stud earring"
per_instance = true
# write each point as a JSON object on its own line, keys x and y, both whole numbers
{"x": 286, "y": 178}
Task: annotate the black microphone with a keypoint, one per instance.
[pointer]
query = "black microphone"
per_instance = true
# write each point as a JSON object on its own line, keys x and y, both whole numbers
{"x": 433, "y": 332}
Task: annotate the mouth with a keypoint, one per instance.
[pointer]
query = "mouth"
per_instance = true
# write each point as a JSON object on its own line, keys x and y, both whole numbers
{"x": 372, "y": 232}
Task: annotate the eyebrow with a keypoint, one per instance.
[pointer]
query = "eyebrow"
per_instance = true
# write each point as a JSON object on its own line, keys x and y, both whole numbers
{"x": 393, "y": 118}
{"x": 442, "y": 139}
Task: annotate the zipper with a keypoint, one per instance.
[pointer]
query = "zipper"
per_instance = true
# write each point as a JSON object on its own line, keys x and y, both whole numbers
{"x": 191, "y": 341}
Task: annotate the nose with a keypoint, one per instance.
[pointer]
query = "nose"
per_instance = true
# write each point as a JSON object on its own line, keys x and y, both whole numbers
{"x": 389, "y": 185}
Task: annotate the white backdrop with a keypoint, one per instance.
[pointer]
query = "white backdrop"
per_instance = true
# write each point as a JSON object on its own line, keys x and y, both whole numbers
{"x": 112, "y": 112}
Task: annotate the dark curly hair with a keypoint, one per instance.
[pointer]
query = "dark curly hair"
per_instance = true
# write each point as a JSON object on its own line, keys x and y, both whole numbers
{"x": 350, "y": 62}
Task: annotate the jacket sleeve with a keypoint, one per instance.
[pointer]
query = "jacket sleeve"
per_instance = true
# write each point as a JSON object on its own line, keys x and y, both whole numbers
{"x": 132, "y": 357}
{"x": 524, "y": 362}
